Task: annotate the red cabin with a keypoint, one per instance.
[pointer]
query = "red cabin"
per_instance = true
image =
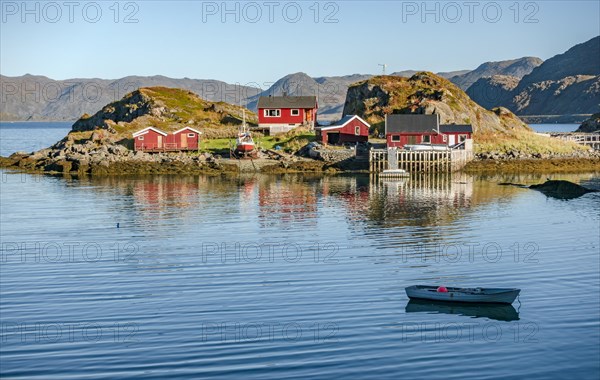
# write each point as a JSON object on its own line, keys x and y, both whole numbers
{"x": 149, "y": 139}
{"x": 184, "y": 139}
{"x": 411, "y": 129}
{"x": 351, "y": 129}
{"x": 280, "y": 114}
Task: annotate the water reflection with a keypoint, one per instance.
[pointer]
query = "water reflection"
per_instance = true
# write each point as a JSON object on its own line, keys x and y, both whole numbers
{"x": 366, "y": 203}
{"x": 505, "y": 313}
{"x": 284, "y": 200}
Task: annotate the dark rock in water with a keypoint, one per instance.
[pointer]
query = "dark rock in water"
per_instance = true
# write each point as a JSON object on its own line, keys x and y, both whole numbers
{"x": 590, "y": 125}
{"x": 562, "y": 189}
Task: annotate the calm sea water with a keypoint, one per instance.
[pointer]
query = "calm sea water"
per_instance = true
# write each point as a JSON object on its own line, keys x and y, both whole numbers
{"x": 554, "y": 127}
{"x": 30, "y": 136}
{"x": 294, "y": 277}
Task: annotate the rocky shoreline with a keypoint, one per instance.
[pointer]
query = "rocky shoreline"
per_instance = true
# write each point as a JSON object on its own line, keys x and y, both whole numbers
{"x": 114, "y": 159}
{"x": 99, "y": 157}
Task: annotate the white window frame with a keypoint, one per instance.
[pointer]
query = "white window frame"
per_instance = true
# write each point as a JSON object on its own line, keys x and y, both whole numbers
{"x": 357, "y": 130}
{"x": 295, "y": 112}
{"x": 428, "y": 137}
{"x": 395, "y": 138}
{"x": 140, "y": 137}
{"x": 191, "y": 135}
{"x": 267, "y": 113}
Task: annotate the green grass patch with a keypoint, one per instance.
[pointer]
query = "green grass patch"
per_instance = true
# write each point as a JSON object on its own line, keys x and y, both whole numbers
{"x": 289, "y": 144}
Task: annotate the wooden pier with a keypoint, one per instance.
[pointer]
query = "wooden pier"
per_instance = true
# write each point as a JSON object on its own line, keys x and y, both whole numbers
{"x": 424, "y": 161}
{"x": 588, "y": 139}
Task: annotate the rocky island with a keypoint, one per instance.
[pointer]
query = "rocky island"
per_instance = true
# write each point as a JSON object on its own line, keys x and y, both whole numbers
{"x": 102, "y": 144}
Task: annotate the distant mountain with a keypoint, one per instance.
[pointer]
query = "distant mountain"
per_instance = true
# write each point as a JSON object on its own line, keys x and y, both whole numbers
{"x": 32, "y": 97}
{"x": 568, "y": 83}
{"x": 565, "y": 84}
{"x": 489, "y": 92}
{"x": 581, "y": 59}
{"x": 514, "y": 67}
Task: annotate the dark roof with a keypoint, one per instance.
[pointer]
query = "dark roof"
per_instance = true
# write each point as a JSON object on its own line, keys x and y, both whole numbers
{"x": 287, "y": 102}
{"x": 457, "y": 128}
{"x": 411, "y": 123}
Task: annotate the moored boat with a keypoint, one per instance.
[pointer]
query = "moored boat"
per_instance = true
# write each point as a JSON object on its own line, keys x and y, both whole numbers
{"x": 473, "y": 295}
{"x": 419, "y": 147}
{"x": 244, "y": 142}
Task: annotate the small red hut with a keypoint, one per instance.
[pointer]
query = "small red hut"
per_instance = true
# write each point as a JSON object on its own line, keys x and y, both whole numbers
{"x": 351, "y": 129}
{"x": 184, "y": 139}
{"x": 149, "y": 139}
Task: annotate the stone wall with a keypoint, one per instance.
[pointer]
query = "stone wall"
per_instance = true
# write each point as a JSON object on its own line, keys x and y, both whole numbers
{"x": 333, "y": 155}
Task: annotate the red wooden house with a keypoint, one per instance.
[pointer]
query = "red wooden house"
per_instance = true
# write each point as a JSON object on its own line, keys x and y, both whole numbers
{"x": 411, "y": 129}
{"x": 154, "y": 140}
{"x": 280, "y": 114}
{"x": 351, "y": 129}
{"x": 149, "y": 139}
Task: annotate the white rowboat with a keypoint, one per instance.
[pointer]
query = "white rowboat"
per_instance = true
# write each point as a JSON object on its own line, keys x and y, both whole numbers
{"x": 394, "y": 173}
{"x": 473, "y": 295}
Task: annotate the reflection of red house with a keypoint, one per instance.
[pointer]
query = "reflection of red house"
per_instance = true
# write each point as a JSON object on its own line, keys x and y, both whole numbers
{"x": 401, "y": 130}
{"x": 149, "y": 139}
{"x": 351, "y": 129}
{"x": 153, "y": 140}
{"x": 284, "y": 202}
{"x": 280, "y": 114}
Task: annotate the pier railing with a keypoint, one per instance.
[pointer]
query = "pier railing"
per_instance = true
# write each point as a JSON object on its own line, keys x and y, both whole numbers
{"x": 588, "y": 139}
{"x": 424, "y": 161}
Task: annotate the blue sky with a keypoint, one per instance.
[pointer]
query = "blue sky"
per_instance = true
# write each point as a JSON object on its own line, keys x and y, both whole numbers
{"x": 259, "y": 42}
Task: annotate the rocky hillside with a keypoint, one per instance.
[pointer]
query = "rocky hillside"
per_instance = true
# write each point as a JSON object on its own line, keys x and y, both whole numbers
{"x": 168, "y": 109}
{"x": 568, "y": 83}
{"x": 423, "y": 93}
{"x": 498, "y": 130}
{"x": 515, "y": 67}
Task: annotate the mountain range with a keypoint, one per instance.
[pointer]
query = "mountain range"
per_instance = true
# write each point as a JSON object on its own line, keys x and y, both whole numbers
{"x": 565, "y": 84}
